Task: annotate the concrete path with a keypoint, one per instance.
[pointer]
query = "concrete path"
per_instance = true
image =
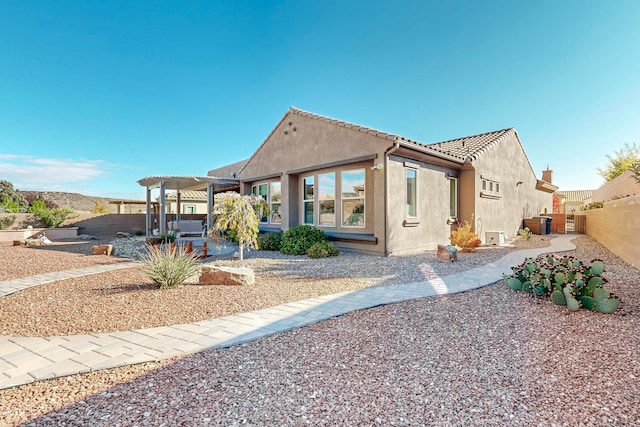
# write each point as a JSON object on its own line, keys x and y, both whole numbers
{"x": 24, "y": 360}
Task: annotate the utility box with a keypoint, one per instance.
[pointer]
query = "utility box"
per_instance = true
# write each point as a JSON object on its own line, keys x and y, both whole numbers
{"x": 494, "y": 238}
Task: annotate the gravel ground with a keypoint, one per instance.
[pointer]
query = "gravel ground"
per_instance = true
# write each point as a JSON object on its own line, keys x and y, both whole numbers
{"x": 126, "y": 299}
{"x": 486, "y": 357}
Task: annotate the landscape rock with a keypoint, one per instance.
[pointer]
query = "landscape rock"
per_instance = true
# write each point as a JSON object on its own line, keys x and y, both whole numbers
{"x": 103, "y": 250}
{"x": 87, "y": 237}
{"x": 447, "y": 253}
{"x": 233, "y": 276}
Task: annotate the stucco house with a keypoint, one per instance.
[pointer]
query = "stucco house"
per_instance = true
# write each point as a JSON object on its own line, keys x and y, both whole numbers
{"x": 380, "y": 193}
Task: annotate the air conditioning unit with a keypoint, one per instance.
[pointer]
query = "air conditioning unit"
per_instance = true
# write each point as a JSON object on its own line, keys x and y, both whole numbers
{"x": 494, "y": 238}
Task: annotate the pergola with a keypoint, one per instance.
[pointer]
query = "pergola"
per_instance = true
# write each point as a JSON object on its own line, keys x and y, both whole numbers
{"x": 212, "y": 185}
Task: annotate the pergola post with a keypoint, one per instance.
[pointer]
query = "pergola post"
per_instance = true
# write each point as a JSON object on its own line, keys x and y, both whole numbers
{"x": 163, "y": 215}
{"x": 210, "y": 202}
{"x": 148, "y": 216}
{"x": 178, "y": 209}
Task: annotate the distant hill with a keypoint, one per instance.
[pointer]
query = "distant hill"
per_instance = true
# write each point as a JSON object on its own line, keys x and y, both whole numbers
{"x": 77, "y": 202}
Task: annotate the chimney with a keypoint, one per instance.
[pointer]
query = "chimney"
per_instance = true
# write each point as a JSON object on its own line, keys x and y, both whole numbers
{"x": 547, "y": 175}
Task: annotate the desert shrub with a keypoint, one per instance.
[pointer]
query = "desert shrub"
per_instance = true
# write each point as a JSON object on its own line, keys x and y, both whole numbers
{"x": 298, "y": 240}
{"x": 7, "y": 222}
{"x": 100, "y": 208}
{"x": 270, "y": 241}
{"x": 525, "y": 233}
{"x": 464, "y": 238}
{"x": 170, "y": 267}
{"x": 138, "y": 232}
{"x": 323, "y": 250}
{"x": 51, "y": 218}
{"x": 32, "y": 196}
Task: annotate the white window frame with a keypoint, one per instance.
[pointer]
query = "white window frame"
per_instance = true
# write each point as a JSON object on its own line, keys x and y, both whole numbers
{"x": 344, "y": 198}
{"x": 453, "y": 210}
{"x": 272, "y": 202}
{"x": 413, "y": 195}
{"x": 326, "y": 198}
{"x": 306, "y": 200}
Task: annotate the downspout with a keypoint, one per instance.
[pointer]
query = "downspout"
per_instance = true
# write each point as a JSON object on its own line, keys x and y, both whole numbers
{"x": 387, "y": 154}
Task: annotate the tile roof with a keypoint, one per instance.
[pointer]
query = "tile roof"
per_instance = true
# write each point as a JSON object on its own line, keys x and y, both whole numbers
{"x": 576, "y": 195}
{"x": 461, "y": 149}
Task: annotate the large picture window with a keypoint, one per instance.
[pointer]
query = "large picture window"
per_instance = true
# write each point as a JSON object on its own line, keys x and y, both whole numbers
{"x": 327, "y": 199}
{"x": 353, "y": 198}
{"x": 308, "y": 200}
{"x": 411, "y": 193}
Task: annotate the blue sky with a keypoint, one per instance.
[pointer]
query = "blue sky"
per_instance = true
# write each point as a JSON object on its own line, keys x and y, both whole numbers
{"x": 95, "y": 95}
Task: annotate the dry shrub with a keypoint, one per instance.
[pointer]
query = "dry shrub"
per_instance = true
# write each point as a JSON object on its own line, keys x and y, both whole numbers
{"x": 464, "y": 238}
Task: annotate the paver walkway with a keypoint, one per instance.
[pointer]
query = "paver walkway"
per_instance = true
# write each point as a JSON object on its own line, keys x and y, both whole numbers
{"x": 24, "y": 360}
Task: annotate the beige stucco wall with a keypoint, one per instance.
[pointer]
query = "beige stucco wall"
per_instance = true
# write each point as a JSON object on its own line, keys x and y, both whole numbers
{"x": 507, "y": 164}
{"x": 429, "y": 228}
{"x": 621, "y": 186}
{"x": 314, "y": 142}
{"x": 317, "y": 147}
{"x": 617, "y": 226}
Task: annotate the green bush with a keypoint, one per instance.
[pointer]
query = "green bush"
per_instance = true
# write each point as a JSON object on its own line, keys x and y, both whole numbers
{"x": 170, "y": 267}
{"x": 323, "y": 250}
{"x": 7, "y": 222}
{"x": 51, "y": 218}
{"x": 298, "y": 240}
{"x": 270, "y": 241}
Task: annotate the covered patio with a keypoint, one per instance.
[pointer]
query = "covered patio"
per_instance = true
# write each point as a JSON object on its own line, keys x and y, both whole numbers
{"x": 211, "y": 184}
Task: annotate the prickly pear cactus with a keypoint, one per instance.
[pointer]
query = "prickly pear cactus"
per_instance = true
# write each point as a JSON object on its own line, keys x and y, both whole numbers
{"x": 566, "y": 280}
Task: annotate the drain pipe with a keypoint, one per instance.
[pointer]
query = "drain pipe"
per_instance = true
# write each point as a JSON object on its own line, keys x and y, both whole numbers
{"x": 387, "y": 154}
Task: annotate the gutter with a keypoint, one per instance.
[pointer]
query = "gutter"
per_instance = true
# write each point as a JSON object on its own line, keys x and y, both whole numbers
{"x": 395, "y": 147}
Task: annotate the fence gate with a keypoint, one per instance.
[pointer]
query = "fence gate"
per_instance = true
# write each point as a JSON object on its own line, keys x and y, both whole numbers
{"x": 576, "y": 224}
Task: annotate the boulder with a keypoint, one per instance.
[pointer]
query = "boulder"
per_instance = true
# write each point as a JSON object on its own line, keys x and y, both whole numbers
{"x": 217, "y": 275}
{"x": 447, "y": 253}
{"x": 103, "y": 250}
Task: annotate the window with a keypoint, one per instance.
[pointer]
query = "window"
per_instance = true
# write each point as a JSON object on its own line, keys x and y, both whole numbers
{"x": 189, "y": 209}
{"x": 453, "y": 197}
{"x": 275, "y": 199}
{"x": 411, "y": 192}
{"x": 307, "y": 199}
{"x": 261, "y": 190}
{"x": 353, "y": 198}
{"x": 490, "y": 188}
{"x": 327, "y": 199}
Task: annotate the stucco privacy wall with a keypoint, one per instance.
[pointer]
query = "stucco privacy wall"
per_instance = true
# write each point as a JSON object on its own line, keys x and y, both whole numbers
{"x": 429, "y": 228}
{"x": 507, "y": 164}
{"x": 617, "y": 226}
{"x": 621, "y": 186}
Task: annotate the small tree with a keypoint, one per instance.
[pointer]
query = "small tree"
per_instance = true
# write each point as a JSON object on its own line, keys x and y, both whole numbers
{"x": 635, "y": 168}
{"x": 241, "y": 215}
{"x": 10, "y": 199}
{"x": 623, "y": 160}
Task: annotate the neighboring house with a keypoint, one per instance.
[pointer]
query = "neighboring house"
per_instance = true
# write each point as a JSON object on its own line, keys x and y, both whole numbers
{"x": 380, "y": 193}
{"x": 573, "y": 200}
{"x": 621, "y": 186}
{"x": 191, "y": 202}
